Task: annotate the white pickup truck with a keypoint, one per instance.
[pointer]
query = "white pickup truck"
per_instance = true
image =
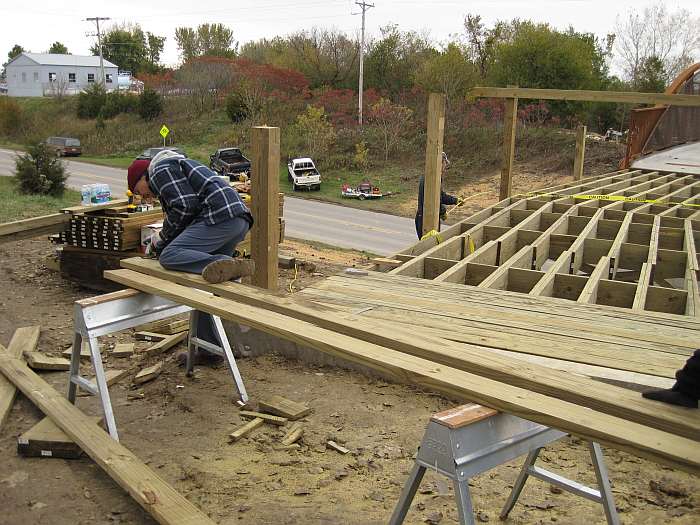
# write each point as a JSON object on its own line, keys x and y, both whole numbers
{"x": 303, "y": 174}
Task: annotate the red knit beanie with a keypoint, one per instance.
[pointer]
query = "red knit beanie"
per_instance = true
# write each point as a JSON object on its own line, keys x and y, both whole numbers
{"x": 137, "y": 170}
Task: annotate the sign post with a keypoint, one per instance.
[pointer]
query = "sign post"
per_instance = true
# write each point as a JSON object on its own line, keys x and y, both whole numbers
{"x": 164, "y": 133}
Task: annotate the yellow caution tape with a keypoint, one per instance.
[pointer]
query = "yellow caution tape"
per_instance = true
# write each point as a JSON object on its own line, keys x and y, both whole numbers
{"x": 614, "y": 198}
{"x": 432, "y": 233}
{"x": 470, "y": 243}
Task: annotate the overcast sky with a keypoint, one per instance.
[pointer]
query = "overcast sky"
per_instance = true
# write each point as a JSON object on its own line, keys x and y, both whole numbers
{"x": 36, "y": 24}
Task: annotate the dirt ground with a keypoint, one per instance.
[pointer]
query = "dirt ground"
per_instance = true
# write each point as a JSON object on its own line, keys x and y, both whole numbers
{"x": 180, "y": 427}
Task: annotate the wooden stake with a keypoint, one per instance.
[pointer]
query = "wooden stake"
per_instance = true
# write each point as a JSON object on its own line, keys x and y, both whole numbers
{"x": 580, "y": 152}
{"x": 510, "y": 120}
{"x": 265, "y": 205}
{"x": 433, "y": 162}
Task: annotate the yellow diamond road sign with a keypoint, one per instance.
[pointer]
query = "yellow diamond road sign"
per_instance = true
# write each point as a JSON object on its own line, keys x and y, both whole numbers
{"x": 164, "y": 131}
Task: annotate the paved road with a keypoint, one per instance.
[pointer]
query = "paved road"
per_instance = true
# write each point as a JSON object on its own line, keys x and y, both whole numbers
{"x": 304, "y": 219}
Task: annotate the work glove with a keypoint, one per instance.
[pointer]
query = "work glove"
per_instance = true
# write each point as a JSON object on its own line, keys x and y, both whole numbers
{"x": 443, "y": 216}
{"x": 460, "y": 201}
{"x": 154, "y": 244}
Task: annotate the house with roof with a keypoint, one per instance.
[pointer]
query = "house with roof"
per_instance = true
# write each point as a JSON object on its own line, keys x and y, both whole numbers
{"x": 49, "y": 74}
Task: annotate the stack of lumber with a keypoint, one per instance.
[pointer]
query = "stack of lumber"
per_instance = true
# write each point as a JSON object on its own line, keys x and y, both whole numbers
{"x": 108, "y": 231}
{"x": 408, "y": 353}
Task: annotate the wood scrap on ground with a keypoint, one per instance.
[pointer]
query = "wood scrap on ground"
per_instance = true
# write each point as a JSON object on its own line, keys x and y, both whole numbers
{"x": 149, "y": 373}
{"x": 149, "y": 336}
{"x": 246, "y": 429}
{"x": 273, "y": 420}
{"x": 85, "y": 354}
{"x": 338, "y": 448}
{"x": 47, "y": 440}
{"x": 294, "y": 434}
{"x": 123, "y": 350}
{"x": 283, "y": 407}
{"x": 41, "y": 361}
{"x": 149, "y": 490}
{"x": 164, "y": 344}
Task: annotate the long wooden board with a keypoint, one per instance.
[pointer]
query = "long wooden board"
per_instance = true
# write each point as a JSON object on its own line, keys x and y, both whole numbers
{"x": 609, "y": 430}
{"x": 33, "y": 227}
{"x": 24, "y": 340}
{"x": 563, "y": 385}
{"x": 150, "y": 491}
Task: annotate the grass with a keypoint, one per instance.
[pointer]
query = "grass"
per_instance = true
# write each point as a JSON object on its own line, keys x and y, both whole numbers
{"x": 402, "y": 183}
{"x": 15, "y": 206}
{"x": 107, "y": 160}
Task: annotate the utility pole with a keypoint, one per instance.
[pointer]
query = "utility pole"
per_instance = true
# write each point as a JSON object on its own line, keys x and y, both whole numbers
{"x": 364, "y": 6}
{"x": 97, "y": 20}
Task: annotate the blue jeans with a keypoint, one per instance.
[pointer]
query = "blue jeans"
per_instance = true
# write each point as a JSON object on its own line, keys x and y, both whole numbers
{"x": 201, "y": 243}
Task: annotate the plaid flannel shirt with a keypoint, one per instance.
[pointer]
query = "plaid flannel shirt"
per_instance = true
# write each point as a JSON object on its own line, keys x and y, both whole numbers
{"x": 189, "y": 191}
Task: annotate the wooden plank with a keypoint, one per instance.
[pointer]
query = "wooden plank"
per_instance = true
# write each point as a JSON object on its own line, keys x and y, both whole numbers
{"x": 149, "y": 373}
{"x": 282, "y": 407}
{"x": 265, "y": 203}
{"x": 34, "y": 227}
{"x": 149, "y": 490}
{"x": 273, "y": 420}
{"x": 433, "y": 162}
{"x": 24, "y": 339}
{"x": 580, "y": 153}
{"x": 510, "y": 121}
{"x": 618, "y": 97}
{"x": 608, "y": 399}
{"x": 246, "y": 429}
{"x": 115, "y": 203}
{"x": 149, "y": 336}
{"x": 608, "y": 430}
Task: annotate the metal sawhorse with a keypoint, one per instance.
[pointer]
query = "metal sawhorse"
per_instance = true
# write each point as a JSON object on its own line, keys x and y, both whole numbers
{"x": 113, "y": 312}
{"x": 468, "y": 440}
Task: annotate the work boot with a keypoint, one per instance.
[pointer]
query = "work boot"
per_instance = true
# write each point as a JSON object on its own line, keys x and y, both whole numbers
{"x": 671, "y": 396}
{"x": 227, "y": 269}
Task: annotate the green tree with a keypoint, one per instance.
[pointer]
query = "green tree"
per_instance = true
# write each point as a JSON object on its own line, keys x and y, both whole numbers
{"x": 58, "y": 48}
{"x": 651, "y": 76}
{"x": 128, "y": 47}
{"x": 482, "y": 41}
{"x": 206, "y": 40}
{"x": 391, "y": 121}
{"x": 150, "y": 104}
{"x": 449, "y": 72}
{"x": 155, "y": 48}
{"x": 91, "y": 101}
{"x": 314, "y": 131}
{"x": 15, "y": 51}
{"x": 392, "y": 61}
{"x": 539, "y": 56}
{"x": 40, "y": 172}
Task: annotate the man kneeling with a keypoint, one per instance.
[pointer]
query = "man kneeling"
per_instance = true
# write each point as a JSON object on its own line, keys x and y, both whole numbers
{"x": 204, "y": 218}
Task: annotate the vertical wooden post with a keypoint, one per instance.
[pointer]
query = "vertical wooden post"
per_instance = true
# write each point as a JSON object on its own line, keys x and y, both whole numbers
{"x": 433, "y": 162}
{"x": 580, "y": 152}
{"x": 264, "y": 190}
{"x": 510, "y": 120}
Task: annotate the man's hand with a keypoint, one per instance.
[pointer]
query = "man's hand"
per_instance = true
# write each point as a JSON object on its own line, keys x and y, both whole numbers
{"x": 443, "y": 216}
{"x": 153, "y": 244}
{"x": 460, "y": 201}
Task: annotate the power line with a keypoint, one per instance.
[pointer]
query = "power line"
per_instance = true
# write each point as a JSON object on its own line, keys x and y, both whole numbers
{"x": 364, "y": 6}
{"x": 97, "y": 20}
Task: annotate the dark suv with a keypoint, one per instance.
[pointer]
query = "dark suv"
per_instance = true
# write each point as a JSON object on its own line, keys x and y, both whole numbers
{"x": 64, "y": 146}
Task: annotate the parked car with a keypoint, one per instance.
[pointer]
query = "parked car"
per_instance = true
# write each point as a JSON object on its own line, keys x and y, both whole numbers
{"x": 229, "y": 161}
{"x": 149, "y": 153}
{"x": 302, "y": 173}
{"x": 64, "y": 146}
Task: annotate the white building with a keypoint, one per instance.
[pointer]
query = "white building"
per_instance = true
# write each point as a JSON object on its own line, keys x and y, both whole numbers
{"x": 43, "y": 74}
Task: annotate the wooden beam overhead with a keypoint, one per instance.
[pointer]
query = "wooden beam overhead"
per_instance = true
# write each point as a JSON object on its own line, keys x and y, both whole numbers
{"x": 619, "y": 97}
